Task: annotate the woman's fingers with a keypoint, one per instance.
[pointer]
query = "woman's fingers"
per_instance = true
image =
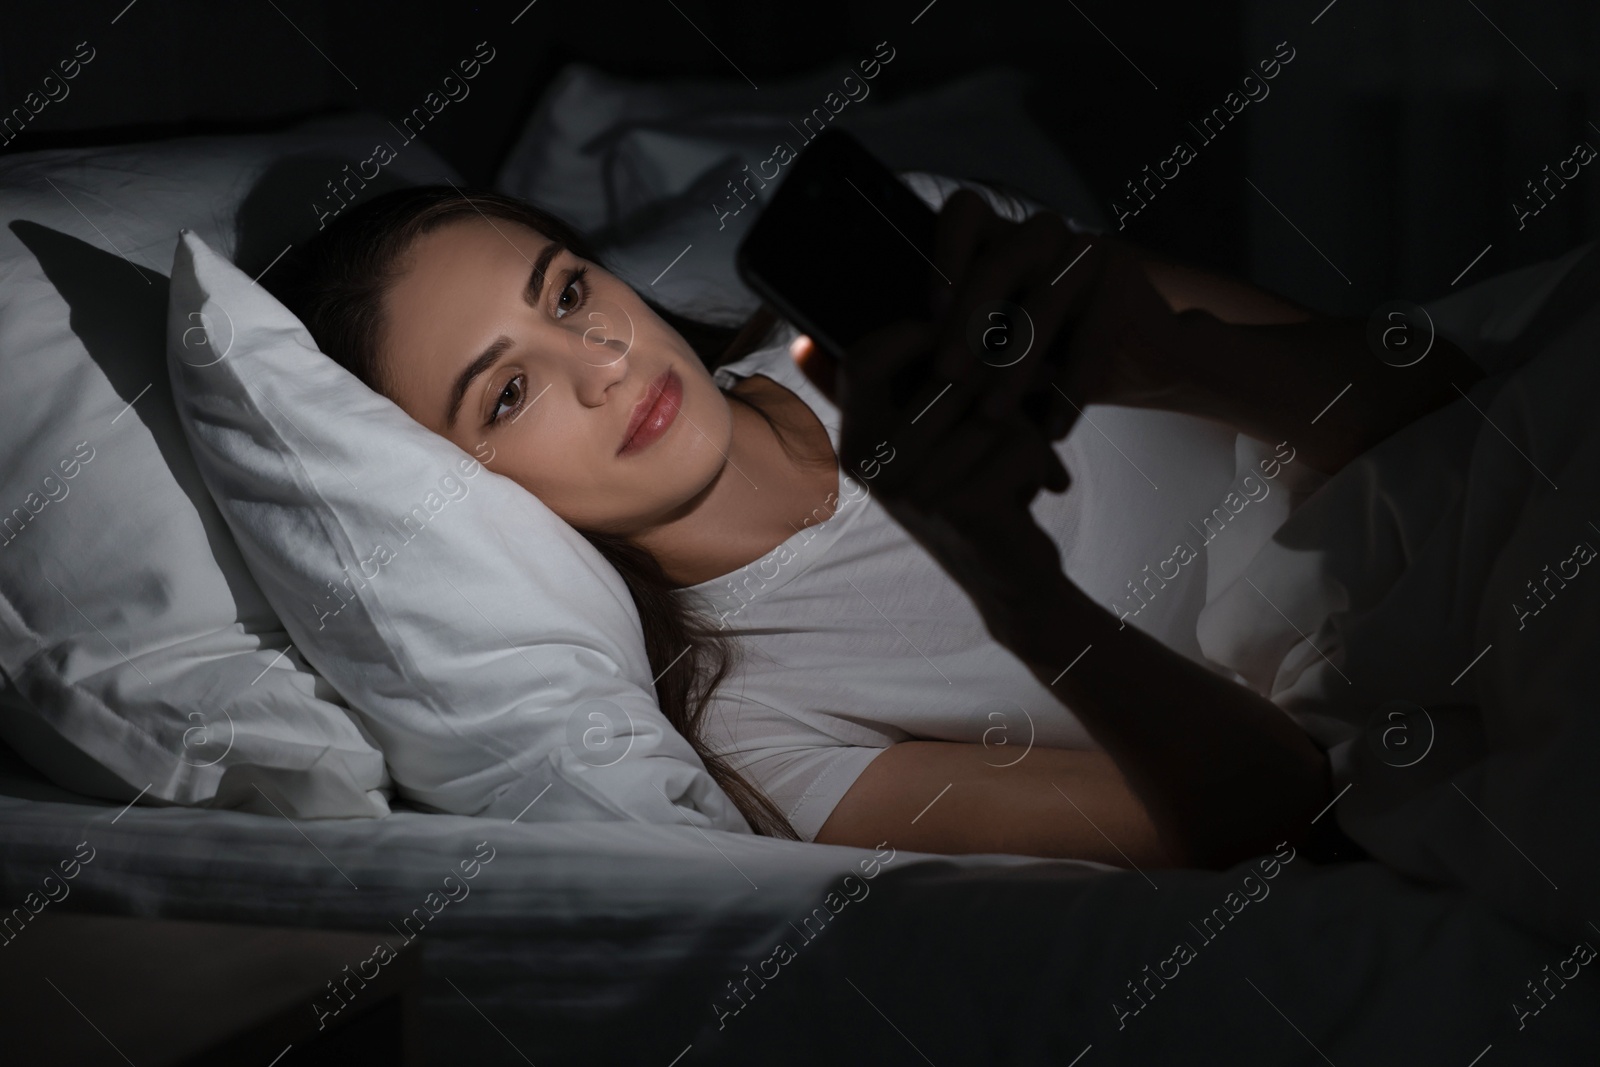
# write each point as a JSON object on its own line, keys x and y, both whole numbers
{"x": 952, "y": 401}
{"x": 987, "y": 264}
{"x": 965, "y": 223}
{"x": 816, "y": 365}
{"x": 1078, "y": 315}
{"x": 1088, "y": 313}
{"x": 968, "y": 463}
{"x": 982, "y": 470}
{"x": 1052, "y": 300}
{"x": 888, "y": 366}
{"x": 988, "y": 282}
{"x": 1027, "y": 289}
{"x": 890, "y": 394}
{"x": 948, "y": 468}
{"x": 1122, "y": 301}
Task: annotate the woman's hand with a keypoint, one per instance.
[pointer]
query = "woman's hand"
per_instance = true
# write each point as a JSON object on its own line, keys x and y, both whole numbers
{"x": 1035, "y": 324}
{"x": 972, "y": 423}
{"x": 1095, "y": 327}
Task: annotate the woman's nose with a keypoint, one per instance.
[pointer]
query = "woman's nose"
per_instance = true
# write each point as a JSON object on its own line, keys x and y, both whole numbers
{"x": 600, "y": 362}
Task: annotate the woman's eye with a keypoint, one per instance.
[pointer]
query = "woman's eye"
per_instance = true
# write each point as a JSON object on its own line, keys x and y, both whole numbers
{"x": 577, "y": 288}
{"x": 509, "y": 399}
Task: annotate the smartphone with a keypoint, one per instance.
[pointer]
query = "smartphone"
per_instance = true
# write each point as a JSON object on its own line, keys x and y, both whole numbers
{"x": 843, "y": 247}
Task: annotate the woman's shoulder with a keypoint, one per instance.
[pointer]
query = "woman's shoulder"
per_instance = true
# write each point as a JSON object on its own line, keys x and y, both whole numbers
{"x": 770, "y": 355}
{"x": 773, "y": 362}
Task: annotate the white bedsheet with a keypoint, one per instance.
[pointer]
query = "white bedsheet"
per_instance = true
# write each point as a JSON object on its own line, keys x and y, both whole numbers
{"x": 596, "y": 943}
{"x": 571, "y": 929}
{"x": 1450, "y": 568}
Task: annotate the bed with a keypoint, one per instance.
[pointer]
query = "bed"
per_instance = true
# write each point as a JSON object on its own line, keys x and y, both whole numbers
{"x": 591, "y": 942}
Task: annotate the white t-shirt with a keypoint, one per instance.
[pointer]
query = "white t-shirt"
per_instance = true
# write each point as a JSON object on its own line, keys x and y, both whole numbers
{"x": 852, "y": 638}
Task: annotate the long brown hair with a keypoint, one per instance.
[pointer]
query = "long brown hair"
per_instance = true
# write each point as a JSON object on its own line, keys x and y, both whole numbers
{"x": 336, "y": 282}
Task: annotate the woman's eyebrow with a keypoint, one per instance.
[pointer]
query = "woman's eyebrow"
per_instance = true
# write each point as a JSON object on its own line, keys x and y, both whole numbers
{"x": 485, "y": 360}
{"x": 488, "y": 357}
{"x": 541, "y": 263}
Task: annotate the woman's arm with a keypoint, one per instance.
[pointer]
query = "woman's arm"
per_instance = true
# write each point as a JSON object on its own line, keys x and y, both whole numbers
{"x": 949, "y": 797}
{"x": 1223, "y": 773}
{"x": 1271, "y": 369}
{"x": 1208, "y": 771}
{"x": 1186, "y": 287}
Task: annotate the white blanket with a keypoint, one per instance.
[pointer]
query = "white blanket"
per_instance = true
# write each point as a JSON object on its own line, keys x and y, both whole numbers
{"x": 1432, "y": 610}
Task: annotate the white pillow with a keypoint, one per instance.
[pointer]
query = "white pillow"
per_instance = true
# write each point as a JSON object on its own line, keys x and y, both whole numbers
{"x": 138, "y": 654}
{"x": 487, "y": 646}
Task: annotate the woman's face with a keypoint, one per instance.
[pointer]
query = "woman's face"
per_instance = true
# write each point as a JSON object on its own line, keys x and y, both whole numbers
{"x": 554, "y": 373}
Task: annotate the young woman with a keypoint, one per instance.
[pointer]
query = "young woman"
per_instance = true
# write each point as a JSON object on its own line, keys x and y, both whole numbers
{"x": 493, "y": 324}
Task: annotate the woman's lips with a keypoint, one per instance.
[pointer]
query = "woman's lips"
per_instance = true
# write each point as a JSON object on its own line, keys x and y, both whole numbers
{"x": 654, "y": 414}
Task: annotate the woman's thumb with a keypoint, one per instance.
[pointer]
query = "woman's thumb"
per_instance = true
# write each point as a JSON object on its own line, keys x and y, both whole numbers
{"x": 814, "y": 363}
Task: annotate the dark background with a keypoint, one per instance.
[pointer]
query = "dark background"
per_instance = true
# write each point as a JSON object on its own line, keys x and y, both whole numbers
{"x": 1391, "y": 149}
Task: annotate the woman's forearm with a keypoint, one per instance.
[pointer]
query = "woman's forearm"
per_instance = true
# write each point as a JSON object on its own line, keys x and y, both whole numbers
{"x": 1280, "y": 372}
{"x": 1223, "y": 772}
{"x": 1229, "y": 299}
{"x": 1315, "y": 384}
